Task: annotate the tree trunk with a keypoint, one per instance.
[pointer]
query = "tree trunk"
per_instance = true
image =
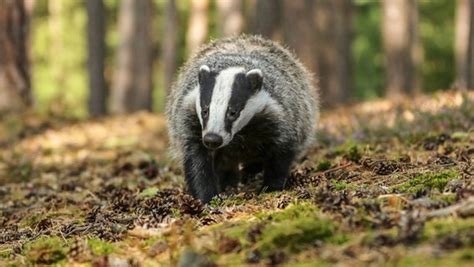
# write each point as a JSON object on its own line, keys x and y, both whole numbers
{"x": 15, "y": 84}
{"x": 298, "y": 30}
{"x": 268, "y": 19}
{"x": 198, "y": 25}
{"x": 333, "y": 46}
{"x": 170, "y": 44}
{"x": 95, "y": 63}
{"x": 464, "y": 44}
{"x": 132, "y": 82}
{"x": 401, "y": 46}
{"x": 231, "y": 20}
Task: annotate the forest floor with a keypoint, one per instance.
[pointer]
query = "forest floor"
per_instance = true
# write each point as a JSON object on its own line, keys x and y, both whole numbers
{"x": 388, "y": 183}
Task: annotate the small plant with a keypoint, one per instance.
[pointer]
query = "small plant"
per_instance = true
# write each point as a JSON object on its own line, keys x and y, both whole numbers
{"x": 323, "y": 166}
{"x": 427, "y": 181}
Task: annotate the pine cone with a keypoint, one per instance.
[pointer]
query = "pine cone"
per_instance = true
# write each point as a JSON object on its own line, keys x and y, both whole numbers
{"x": 207, "y": 221}
{"x": 303, "y": 193}
{"x": 190, "y": 205}
{"x": 283, "y": 202}
{"x": 385, "y": 167}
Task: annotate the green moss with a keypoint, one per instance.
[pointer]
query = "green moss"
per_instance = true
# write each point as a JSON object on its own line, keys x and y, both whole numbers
{"x": 46, "y": 250}
{"x": 353, "y": 153}
{"x": 291, "y": 230}
{"x": 459, "y": 258}
{"x": 439, "y": 228}
{"x": 430, "y": 180}
{"x": 323, "y": 166}
{"x": 319, "y": 263}
{"x": 295, "y": 228}
{"x": 20, "y": 169}
{"x": 350, "y": 150}
{"x": 466, "y": 255}
{"x": 215, "y": 202}
{"x": 175, "y": 212}
{"x": 343, "y": 186}
{"x": 448, "y": 198}
{"x": 148, "y": 192}
{"x": 100, "y": 247}
{"x": 34, "y": 219}
{"x": 294, "y": 211}
{"x": 30, "y": 221}
{"x": 234, "y": 201}
{"x": 294, "y": 235}
{"x": 5, "y": 254}
{"x": 150, "y": 241}
{"x": 460, "y": 135}
{"x": 236, "y": 230}
{"x": 229, "y": 259}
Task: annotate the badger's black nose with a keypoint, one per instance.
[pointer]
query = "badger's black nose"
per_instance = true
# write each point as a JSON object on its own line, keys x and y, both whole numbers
{"x": 212, "y": 140}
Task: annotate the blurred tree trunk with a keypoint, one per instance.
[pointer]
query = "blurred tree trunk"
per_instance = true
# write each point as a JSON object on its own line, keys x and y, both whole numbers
{"x": 268, "y": 18}
{"x": 231, "y": 20}
{"x": 132, "y": 83}
{"x": 401, "y": 46}
{"x": 299, "y": 30}
{"x": 333, "y": 20}
{"x": 15, "y": 84}
{"x": 170, "y": 44}
{"x": 198, "y": 25}
{"x": 96, "y": 48}
{"x": 464, "y": 44}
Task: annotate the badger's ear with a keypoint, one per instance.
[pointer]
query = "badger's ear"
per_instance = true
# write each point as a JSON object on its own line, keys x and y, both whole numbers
{"x": 204, "y": 73}
{"x": 255, "y": 79}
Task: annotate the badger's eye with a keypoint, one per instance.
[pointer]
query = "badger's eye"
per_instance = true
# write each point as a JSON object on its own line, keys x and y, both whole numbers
{"x": 205, "y": 111}
{"x": 232, "y": 114}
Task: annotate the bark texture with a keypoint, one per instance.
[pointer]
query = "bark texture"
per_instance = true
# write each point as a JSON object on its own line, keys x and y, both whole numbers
{"x": 198, "y": 25}
{"x": 320, "y": 34}
{"x": 299, "y": 30}
{"x": 333, "y": 23}
{"x": 132, "y": 82}
{"x": 268, "y": 18}
{"x": 464, "y": 44}
{"x": 170, "y": 44}
{"x": 231, "y": 19}
{"x": 15, "y": 84}
{"x": 96, "y": 55}
{"x": 401, "y": 46}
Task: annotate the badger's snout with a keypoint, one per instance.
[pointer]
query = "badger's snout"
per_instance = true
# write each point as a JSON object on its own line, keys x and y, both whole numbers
{"x": 212, "y": 140}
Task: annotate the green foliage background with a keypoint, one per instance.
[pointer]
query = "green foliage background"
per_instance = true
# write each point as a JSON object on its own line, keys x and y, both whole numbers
{"x": 59, "y": 50}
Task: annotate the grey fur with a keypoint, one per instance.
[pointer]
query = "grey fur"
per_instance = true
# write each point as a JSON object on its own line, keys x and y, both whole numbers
{"x": 284, "y": 78}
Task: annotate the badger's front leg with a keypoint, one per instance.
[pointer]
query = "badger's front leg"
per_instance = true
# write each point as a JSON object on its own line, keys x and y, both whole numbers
{"x": 198, "y": 172}
{"x": 276, "y": 170}
{"x": 227, "y": 170}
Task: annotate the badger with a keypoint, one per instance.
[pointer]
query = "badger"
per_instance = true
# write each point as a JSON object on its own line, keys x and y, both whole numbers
{"x": 240, "y": 104}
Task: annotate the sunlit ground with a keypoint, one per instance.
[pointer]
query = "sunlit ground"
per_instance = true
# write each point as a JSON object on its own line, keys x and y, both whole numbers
{"x": 386, "y": 181}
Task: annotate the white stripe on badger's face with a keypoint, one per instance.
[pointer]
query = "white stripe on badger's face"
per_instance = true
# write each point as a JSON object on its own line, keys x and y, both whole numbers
{"x": 256, "y": 104}
{"x": 219, "y": 102}
{"x": 221, "y": 95}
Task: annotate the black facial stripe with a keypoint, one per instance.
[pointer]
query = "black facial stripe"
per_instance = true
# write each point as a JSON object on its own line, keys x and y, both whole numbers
{"x": 241, "y": 93}
{"x": 206, "y": 87}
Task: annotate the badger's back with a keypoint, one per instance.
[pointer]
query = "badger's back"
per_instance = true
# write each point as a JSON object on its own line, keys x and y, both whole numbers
{"x": 285, "y": 78}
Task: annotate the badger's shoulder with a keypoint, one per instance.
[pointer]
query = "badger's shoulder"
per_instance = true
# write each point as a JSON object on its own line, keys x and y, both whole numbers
{"x": 248, "y": 44}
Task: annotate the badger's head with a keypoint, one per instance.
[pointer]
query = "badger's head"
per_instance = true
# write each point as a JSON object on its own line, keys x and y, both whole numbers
{"x": 226, "y": 101}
